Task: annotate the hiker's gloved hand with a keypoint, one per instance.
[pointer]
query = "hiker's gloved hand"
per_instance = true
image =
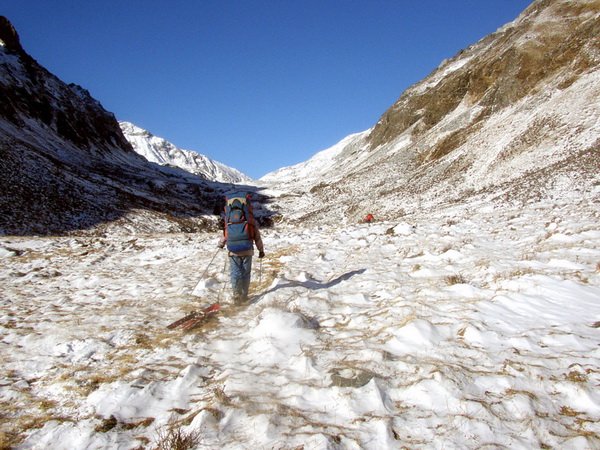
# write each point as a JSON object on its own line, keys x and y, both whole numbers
{"x": 261, "y": 254}
{"x": 221, "y": 245}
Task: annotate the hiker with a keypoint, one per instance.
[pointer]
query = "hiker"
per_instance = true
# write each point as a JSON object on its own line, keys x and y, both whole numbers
{"x": 240, "y": 234}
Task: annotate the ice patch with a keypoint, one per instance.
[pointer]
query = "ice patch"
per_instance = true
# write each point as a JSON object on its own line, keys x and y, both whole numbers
{"x": 6, "y": 253}
{"x": 277, "y": 336}
{"x": 417, "y": 336}
{"x": 207, "y": 286}
{"x": 81, "y": 350}
{"x": 403, "y": 229}
{"x": 564, "y": 264}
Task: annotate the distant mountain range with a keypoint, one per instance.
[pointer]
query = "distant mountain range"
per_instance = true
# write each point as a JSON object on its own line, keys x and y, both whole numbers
{"x": 160, "y": 151}
{"x": 512, "y": 118}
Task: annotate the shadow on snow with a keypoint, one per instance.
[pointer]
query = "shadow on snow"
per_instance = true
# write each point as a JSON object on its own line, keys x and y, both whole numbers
{"x": 313, "y": 285}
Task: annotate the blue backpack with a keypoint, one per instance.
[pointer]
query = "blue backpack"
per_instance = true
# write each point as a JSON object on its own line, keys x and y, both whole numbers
{"x": 239, "y": 222}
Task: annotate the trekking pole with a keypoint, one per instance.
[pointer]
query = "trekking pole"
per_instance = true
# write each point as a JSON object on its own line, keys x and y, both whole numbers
{"x": 206, "y": 270}
{"x": 260, "y": 272}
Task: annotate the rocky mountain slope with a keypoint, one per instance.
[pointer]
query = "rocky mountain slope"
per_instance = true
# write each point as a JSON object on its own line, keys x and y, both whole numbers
{"x": 512, "y": 118}
{"x": 160, "y": 151}
{"x": 65, "y": 165}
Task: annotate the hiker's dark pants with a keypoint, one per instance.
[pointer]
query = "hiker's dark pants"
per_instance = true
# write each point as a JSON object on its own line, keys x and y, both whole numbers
{"x": 240, "y": 268}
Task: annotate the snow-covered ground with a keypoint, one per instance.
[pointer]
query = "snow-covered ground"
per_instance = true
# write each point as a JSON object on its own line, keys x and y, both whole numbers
{"x": 468, "y": 328}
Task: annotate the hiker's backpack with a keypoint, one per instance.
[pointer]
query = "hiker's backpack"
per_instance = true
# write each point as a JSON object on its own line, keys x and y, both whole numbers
{"x": 239, "y": 223}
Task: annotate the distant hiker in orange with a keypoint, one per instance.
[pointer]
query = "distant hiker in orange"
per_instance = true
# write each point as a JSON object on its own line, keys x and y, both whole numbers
{"x": 369, "y": 218}
{"x": 240, "y": 234}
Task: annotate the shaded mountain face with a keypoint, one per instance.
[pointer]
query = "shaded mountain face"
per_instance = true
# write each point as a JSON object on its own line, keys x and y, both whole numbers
{"x": 30, "y": 92}
{"x": 65, "y": 165}
{"x": 161, "y": 151}
{"x": 511, "y": 118}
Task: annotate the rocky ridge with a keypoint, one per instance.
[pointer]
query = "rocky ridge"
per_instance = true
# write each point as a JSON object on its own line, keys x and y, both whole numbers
{"x": 163, "y": 152}
{"x": 511, "y": 118}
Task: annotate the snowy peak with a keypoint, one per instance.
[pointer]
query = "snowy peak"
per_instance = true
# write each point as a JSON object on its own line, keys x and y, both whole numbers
{"x": 158, "y": 150}
{"x": 321, "y": 164}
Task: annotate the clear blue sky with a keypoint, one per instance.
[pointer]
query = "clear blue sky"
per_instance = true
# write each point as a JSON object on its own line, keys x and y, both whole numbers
{"x": 257, "y": 85}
